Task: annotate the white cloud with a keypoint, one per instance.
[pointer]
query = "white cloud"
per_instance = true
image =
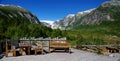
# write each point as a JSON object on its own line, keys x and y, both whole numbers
{"x": 47, "y": 21}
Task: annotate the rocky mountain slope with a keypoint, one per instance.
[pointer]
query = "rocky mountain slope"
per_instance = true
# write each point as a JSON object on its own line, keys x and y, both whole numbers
{"x": 70, "y": 19}
{"x": 11, "y": 12}
{"x": 64, "y": 22}
{"x": 100, "y": 27}
{"x": 108, "y": 11}
{"x": 104, "y": 12}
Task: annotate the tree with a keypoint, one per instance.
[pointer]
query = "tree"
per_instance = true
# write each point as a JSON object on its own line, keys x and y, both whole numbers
{"x": 57, "y": 33}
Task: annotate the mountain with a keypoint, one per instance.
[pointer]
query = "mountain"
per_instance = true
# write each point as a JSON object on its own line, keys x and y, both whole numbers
{"x": 99, "y": 15}
{"x": 70, "y": 19}
{"x": 12, "y": 12}
{"x": 108, "y": 11}
{"x": 64, "y": 22}
{"x": 99, "y": 27}
{"x": 17, "y": 22}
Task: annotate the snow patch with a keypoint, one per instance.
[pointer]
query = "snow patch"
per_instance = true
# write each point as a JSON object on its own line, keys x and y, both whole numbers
{"x": 48, "y": 21}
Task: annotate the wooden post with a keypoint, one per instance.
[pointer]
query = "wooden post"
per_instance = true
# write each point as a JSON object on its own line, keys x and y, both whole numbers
{"x": 49, "y": 45}
{"x": 6, "y": 49}
{"x": 69, "y": 48}
{"x": 20, "y": 51}
{"x": 42, "y": 48}
{"x": 0, "y": 47}
{"x": 14, "y": 52}
{"x": 35, "y": 51}
{"x": 119, "y": 49}
{"x": 29, "y": 50}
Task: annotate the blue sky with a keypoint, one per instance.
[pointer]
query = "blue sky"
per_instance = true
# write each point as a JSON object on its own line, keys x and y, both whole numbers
{"x": 54, "y": 9}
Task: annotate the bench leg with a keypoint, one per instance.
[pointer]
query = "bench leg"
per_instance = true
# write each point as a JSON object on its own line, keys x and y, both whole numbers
{"x": 6, "y": 53}
{"x": 28, "y": 50}
{"x": 49, "y": 50}
{"x": 20, "y": 51}
{"x": 42, "y": 51}
{"x": 119, "y": 50}
{"x": 35, "y": 51}
{"x": 69, "y": 50}
{"x": 14, "y": 52}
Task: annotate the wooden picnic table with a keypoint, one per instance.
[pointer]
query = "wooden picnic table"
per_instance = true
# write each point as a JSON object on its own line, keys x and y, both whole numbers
{"x": 27, "y": 48}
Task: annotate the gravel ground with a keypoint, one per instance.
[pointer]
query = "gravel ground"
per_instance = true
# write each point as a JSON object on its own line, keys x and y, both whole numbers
{"x": 77, "y": 55}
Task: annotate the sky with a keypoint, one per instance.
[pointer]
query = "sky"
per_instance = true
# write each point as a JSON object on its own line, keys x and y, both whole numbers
{"x": 52, "y": 10}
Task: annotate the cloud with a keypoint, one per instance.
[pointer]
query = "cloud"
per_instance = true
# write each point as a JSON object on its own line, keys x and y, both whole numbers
{"x": 47, "y": 21}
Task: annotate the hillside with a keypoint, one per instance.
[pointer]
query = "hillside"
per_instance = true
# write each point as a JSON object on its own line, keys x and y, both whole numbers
{"x": 12, "y": 12}
{"x": 100, "y": 26}
{"x": 106, "y": 12}
{"x": 91, "y": 27}
{"x": 16, "y": 22}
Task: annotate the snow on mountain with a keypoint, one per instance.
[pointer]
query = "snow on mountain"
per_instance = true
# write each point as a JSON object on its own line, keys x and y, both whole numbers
{"x": 47, "y": 23}
{"x": 66, "y": 21}
{"x": 70, "y": 19}
{"x": 70, "y": 15}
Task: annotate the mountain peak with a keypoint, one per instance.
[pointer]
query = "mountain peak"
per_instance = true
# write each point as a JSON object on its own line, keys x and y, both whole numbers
{"x": 6, "y": 5}
{"x": 111, "y": 3}
{"x": 13, "y": 7}
{"x": 86, "y": 11}
{"x": 89, "y": 10}
{"x": 115, "y": 0}
{"x": 71, "y": 14}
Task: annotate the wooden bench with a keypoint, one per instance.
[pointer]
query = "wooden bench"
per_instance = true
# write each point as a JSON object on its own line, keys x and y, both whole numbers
{"x": 119, "y": 49}
{"x": 24, "y": 46}
{"x": 59, "y": 45}
{"x": 13, "y": 50}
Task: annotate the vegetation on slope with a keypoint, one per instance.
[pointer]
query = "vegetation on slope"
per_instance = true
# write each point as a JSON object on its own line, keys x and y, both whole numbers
{"x": 108, "y": 32}
{"x": 16, "y": 22}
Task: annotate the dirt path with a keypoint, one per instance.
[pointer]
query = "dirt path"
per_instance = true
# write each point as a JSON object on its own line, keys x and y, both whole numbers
{"x": 77, "y": 55}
